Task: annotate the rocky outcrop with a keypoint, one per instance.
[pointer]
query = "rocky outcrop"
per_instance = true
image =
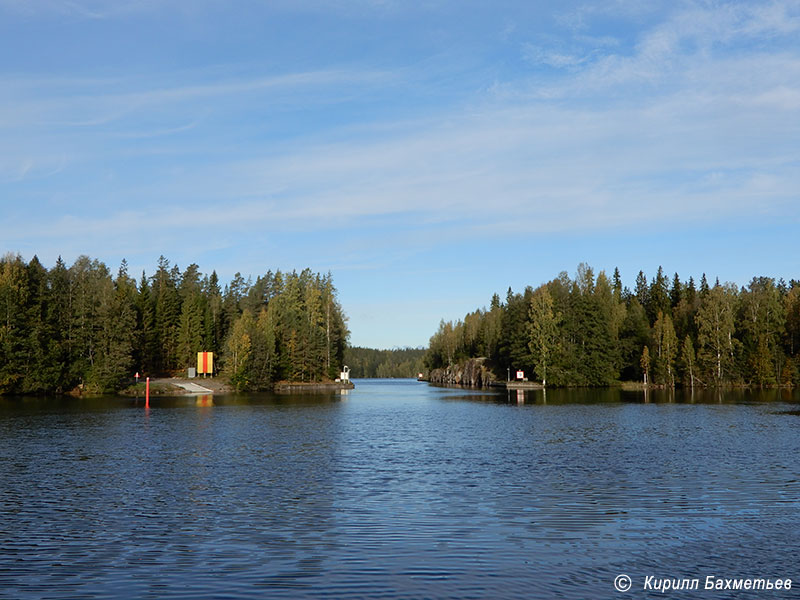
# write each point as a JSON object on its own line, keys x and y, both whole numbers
{"x": 471, "y": 373}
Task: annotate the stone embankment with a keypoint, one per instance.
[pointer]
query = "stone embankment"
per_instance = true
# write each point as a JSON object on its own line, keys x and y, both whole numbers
{"x": 295, "y": 387}
{"x": 471, "y": 373}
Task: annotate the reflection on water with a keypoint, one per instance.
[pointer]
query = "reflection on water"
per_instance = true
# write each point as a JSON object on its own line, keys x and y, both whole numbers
{"x": 204, "y": 400}
{"x": 615, "y": 395}
{"x": 395, "y": 490}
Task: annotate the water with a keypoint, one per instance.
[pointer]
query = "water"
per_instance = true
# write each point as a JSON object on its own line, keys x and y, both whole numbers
{"x": 396, "y": 490}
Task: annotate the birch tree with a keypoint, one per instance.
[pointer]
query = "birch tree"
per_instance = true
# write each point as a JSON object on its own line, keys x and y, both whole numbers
{"x": 543, "y": 331}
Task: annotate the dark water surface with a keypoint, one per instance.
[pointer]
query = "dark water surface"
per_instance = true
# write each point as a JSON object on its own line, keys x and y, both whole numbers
{"x": 397, "y": 490}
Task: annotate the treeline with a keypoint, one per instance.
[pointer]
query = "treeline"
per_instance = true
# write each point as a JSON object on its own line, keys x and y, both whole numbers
{"x": 372, "y": 363}
{"x": 592, "y": 331}
{"x": 79, "y": 326}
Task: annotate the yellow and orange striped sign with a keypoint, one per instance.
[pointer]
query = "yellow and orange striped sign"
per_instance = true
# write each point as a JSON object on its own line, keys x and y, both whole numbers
{"x": 205, "y": 363}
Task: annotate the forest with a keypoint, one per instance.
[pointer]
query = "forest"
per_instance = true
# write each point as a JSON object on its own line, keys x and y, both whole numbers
{"x": 80, "y": 327}
{"x": 591, "y": 331}
{"x": 372, "y": 363}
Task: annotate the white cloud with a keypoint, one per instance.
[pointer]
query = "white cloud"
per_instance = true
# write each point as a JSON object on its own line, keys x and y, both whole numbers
{"x": 664, "y": 52}
{"x": 686, "y": 125}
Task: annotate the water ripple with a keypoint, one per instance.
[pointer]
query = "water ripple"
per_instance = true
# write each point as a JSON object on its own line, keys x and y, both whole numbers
{"x": 399, "y": 491}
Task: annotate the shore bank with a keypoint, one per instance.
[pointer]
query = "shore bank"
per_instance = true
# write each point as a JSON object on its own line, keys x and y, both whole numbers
{"x": 290, "y": 387}
{"x": 180, "y": 386}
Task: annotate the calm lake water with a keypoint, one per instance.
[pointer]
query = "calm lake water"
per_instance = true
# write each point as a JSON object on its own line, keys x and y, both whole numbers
{"x": 397, "y": 490}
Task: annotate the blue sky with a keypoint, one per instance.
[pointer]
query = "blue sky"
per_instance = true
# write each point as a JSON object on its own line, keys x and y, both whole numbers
{"x": 427, "y": 153}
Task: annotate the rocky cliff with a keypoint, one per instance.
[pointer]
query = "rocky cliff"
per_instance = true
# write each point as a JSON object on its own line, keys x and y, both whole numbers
{"x": 471, "y": 373}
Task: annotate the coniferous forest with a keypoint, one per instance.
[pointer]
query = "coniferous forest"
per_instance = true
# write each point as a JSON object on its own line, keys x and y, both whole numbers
{"x": 83, "y": 327}
{"x": 592, "y": 331}
{"x": 374, "y": 363}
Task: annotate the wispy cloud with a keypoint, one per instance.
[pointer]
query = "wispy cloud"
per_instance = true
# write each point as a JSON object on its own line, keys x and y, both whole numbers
{"x": 694, "y": 119}
{"x": 676, "y": 43}
{"x": 378, "y": 137}
{"x": 86, "y": 9}
{"x": 97, "y": 102}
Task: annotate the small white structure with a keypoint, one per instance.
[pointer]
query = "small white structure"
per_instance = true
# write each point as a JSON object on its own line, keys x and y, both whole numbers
{"x": 345, "y": 374}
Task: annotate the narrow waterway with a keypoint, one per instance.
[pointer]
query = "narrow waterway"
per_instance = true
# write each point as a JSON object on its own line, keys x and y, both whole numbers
{"x": 396, "y": 490}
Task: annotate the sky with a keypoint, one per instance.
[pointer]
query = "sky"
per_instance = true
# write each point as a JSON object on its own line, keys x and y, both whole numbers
{"x": 428, "y": 154}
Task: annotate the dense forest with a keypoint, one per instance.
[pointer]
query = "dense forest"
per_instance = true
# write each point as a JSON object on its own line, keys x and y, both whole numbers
{"x": 592, "y": 331}
{"x": 79, "y": 326}
{"x": 372, "y": 363}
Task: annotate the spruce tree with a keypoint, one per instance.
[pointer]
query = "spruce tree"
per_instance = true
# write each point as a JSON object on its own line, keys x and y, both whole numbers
{"x": 658, "y": 296}
{"x": 642, "y": 291}
{"x": 146, "y": 357}
{"x": 676, "y": 293}
{"x": 115, "y": 336}
{"x": 617, "y": 285}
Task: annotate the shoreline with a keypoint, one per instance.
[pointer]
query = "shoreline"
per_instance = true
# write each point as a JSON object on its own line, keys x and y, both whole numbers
{"x": 626, "y": 386}
{"x": 182, "y": 386}
{"x": 174, "y": 386}
{"x": 299, "y": 387}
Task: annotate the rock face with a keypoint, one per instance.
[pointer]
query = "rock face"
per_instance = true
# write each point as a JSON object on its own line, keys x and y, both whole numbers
{"x": 472, "y": 373}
